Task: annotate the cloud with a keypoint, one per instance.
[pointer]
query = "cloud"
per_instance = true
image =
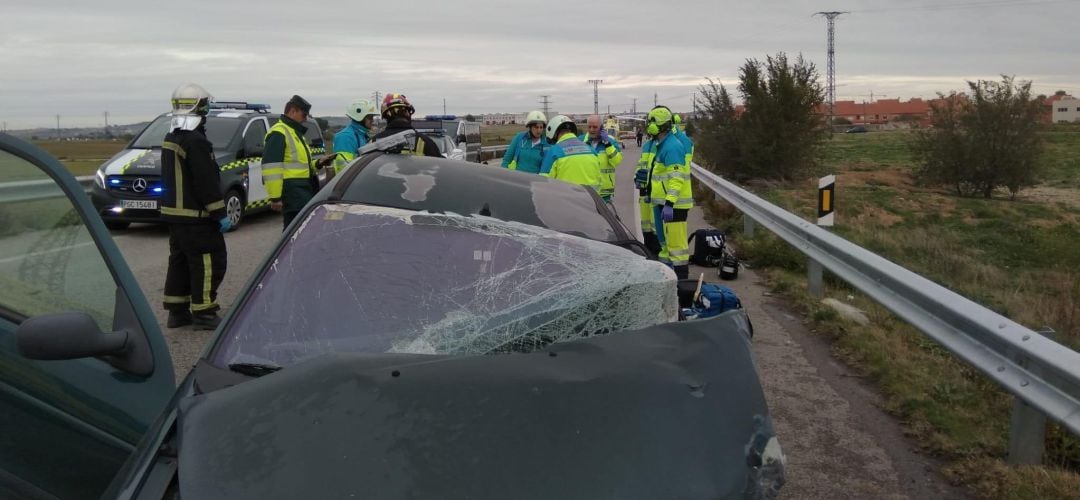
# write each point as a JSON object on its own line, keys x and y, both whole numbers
{"x": 80, "y": 59}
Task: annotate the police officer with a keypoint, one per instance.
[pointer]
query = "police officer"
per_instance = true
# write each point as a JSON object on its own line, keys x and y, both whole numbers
{"x": 289, "y": 171}
{"x": 569, "y": 159}
{"x": 397, "y": 112}
{"x": 607, "y": 151}
{"x": 357, "y": 133}
{"x": 669, "y": 189}
{"x": 194, "y": 210}
{"x": 526, "y": 150}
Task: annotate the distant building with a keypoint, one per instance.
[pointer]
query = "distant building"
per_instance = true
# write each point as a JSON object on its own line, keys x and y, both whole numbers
{"x": 1050, "y": 106}
{"x": 503, "y": 118}
{"x": 1065, "y": 110}
{"x": 882, "y": 111}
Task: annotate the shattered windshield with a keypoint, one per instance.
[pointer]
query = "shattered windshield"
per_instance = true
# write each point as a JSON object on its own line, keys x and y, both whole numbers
{"x": 358, "y": 278}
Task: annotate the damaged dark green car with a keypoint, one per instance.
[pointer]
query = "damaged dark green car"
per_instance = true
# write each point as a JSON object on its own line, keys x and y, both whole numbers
{"x": 426, "y": 328}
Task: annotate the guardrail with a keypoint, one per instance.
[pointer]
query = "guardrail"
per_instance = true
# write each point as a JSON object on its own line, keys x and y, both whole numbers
{"x": 1042, "y": 374}
{"x": 494, "y": 151}
{"x": 16, "y": 191}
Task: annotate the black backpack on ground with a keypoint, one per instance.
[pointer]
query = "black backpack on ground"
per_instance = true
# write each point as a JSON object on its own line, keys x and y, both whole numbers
{"x": 708, "y": 247}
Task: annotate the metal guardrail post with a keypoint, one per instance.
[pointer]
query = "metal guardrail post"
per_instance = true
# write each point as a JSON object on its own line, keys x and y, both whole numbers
{"x": 814, "y": 278}
{"x": 1027, "y": 427}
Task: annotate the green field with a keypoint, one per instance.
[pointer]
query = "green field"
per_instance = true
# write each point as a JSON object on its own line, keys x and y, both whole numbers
{"x": 82, "y": 157}
{"x": 1019, "y": 258}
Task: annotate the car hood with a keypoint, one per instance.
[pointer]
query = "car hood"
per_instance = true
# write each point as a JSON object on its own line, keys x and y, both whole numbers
{"x": 670, "y": 411}
{"x": 135, "y": 162}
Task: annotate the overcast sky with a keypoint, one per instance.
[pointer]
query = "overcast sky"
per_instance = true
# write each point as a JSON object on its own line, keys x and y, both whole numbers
{"x": 79, "y": 59}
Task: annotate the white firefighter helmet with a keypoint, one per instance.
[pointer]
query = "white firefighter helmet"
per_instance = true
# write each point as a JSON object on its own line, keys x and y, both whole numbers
{"x": 190, "y": 103}
{"x": 360, "y": 109}
{"x": 555, "y": 123}
{"x": 535, "y": 116}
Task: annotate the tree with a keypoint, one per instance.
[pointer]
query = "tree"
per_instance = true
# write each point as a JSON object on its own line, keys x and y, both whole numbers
{"x": 984, "y": 141}
{"x": 470, "y": 118}
{"x": 779, "y": 132}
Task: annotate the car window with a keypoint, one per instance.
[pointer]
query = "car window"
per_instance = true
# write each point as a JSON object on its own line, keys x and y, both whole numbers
{"x": 48, "y": 260}
{"x": 438, "y": 185}
{"x": 220, "y": 132}
{"x": 374, "y": 279}
{"x": 313, "y": 134}
{"x": 255, "y": 136}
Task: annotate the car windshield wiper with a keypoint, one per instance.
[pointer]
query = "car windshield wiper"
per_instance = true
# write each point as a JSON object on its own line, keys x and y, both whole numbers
{"x": 254, "y": 369}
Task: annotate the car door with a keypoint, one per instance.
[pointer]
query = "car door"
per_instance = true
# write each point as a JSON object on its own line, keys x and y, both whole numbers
{"x": 254, "y": 140}
{"x": 74, "y": 401}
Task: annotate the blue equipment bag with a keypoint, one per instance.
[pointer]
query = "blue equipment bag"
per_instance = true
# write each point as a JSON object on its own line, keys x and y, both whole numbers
{"x": 714, "y": 299}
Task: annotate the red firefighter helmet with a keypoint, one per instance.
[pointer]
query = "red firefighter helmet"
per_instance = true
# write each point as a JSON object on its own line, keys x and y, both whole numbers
{"x": 393, "y": 100}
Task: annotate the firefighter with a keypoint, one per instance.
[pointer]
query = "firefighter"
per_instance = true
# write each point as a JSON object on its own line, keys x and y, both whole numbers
{"x": 669, "y": 189}
{"x": 397, "y": 112}
{"x": 289, "y": 171}
{"x": 194, "y": 210}
{"x": 569, "y": 159}
{"x": 526, "y": 150}
{"x": 607, "y": 151}
{"x": 358, "y": 132}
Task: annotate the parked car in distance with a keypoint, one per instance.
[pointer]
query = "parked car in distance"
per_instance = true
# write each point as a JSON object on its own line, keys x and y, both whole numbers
{"x": 128, "y": 186}
{"x": 858, "y": 129}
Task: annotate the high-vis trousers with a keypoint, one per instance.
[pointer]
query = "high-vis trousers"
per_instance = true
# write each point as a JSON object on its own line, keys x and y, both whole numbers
{"x": 648, "y": 228}
{"x": 197, "y": 262}
{"x": 673, "y": 240}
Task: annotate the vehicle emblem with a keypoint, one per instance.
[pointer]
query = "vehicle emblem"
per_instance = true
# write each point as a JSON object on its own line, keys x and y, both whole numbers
{"x": 139, "y": 185}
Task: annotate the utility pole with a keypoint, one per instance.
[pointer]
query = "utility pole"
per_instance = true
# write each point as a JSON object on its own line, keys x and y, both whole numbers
{"x": 634, "y": 109}
{"x": 58, "y": 127}
{"x": 444, "y": 106}
{"x": 693, "y": 100}
{"x": 544, "y": 100}
{"x": 830, "y": 91}
{"x": 596, "y": 95}
{"x": 377, "y": 101}
{"x": 609, "y": 110}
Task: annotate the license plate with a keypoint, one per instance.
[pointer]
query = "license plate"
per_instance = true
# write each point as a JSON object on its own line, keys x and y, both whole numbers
{"x": 142, "y": 204}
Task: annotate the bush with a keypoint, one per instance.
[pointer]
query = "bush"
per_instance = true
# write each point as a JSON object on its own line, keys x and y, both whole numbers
{"x": 979, "y": 143}
{"x": 779, "y": 133}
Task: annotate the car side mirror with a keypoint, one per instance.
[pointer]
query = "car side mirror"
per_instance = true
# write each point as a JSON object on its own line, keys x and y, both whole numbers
{"x": 68, "y": 335}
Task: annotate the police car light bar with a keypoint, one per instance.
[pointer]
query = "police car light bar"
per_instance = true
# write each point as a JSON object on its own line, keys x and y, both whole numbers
{"x": 440, "y": 117}
{"x": 239, "y": 105}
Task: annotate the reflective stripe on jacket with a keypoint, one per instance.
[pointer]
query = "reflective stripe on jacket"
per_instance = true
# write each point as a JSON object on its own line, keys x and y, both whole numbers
{"x": 610, "y": 157}
{"x": 670, "y": 177}
{"x": 347, "y": 141}
{"x": 521, "y": 154}
{"x": 294, "y": 162}
{"x": 191, "y": 178}
{"x": 572, "y": 161}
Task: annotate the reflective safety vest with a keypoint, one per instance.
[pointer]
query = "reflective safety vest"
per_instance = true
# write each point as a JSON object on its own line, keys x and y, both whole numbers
{"x": 297, "y": 162}
{"x": 572, "y": 161}
{"x": 610, "y": 157}
{"x": 670, "y": 176}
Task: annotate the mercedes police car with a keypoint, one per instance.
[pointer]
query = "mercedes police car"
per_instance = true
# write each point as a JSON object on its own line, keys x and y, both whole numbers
{"x": 128, "y": 186}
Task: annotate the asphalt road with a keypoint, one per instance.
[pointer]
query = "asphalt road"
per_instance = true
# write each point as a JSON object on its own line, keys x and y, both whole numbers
{"x": 838, "y": 441}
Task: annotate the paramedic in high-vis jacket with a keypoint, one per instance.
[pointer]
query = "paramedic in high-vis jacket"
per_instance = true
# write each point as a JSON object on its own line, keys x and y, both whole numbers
{"x": 607, "y": 151}
{"x": 667, "y": 185}
{"x": 569, "y": 159}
